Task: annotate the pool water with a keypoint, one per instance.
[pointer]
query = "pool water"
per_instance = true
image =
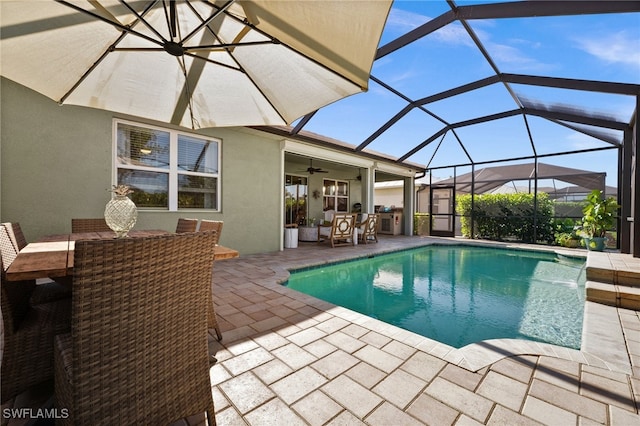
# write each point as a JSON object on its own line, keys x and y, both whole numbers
{"x": 460, "y": 294}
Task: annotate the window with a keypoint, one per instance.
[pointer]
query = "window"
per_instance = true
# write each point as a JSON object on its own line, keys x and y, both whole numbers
{"x": 335, "y": 195}
{"x": 168, "y": 169}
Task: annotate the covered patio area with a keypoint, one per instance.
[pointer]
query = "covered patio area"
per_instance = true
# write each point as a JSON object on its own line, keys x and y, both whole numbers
{"x": 288, "y": 358}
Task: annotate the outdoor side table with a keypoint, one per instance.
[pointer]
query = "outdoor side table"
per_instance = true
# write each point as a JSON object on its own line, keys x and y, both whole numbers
{"x": 308, "y": 233}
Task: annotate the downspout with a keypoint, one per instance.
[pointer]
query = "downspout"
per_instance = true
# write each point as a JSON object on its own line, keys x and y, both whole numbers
{"x": 421, "y": 188}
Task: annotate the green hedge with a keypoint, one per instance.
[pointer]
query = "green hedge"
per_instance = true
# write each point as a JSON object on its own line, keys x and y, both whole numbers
{"x": 507, "y": 216}
{"x": 421, "y": 224}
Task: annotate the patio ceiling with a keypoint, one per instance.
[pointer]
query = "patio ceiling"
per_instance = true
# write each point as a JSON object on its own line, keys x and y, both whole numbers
{"x": 520, "y": 97}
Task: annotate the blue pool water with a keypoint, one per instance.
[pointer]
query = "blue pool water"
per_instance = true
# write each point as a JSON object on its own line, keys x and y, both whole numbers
{"x": 460, "y": 294}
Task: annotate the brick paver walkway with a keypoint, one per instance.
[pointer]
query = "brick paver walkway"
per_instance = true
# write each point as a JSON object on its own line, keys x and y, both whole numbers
{"x": 290, "y": 359}
{"x": 287, "y": 358}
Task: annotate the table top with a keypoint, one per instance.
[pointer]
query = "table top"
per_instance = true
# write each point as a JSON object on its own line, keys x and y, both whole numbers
{"x": 52, "y": 255}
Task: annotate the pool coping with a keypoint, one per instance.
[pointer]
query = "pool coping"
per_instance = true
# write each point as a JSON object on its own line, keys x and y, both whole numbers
{"x": 599, "y": 322}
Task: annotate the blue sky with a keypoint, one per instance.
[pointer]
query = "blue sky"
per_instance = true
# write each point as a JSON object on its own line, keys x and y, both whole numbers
{"x": 593, "y": 47}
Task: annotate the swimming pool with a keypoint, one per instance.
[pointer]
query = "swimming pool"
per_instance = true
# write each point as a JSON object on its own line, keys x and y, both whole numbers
{"x": 460, "y": 294}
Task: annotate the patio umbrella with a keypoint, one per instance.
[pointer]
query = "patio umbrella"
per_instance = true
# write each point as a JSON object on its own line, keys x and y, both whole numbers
{"x": 193, "y": 63}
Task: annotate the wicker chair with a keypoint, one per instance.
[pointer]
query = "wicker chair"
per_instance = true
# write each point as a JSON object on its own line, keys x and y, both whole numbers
{"x": 43, "y": 290}
{"x": 212, "y": 225}
{"x": 27, "y": 355}
{"x": 138, "y": 351}
{"x": 16, "y": 234}
{"x": 368, "y": 230}
{"x": 89, "y": 225}
{"x": 186, "y": 225}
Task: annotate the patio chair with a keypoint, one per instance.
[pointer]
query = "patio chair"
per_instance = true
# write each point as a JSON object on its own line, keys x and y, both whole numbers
{"x": 28, "y": 330}
{"x": 368, "y": 229}
{"x": 324, "y": 228}
{"x": 89, "y": 225}
{"x": 186, "y": 225}
{"x": 342, "y": 230}
{"x": 42, "y": 290}
{"x": 16, "y": 234}
{"x": 138, "y": 350}
{"x": 212, "y": 225}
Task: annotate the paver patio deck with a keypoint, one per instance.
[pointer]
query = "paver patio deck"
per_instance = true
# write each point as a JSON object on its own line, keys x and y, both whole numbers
{"x": 288, "y": 358}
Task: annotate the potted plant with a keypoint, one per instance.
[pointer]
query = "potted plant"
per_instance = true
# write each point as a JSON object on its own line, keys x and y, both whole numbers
{"x": 599, "y": 215}
{"x": 566, "y": 233}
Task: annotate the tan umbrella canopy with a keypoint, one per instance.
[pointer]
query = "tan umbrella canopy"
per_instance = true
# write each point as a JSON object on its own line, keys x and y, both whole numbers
{"x": 193, "y": 63}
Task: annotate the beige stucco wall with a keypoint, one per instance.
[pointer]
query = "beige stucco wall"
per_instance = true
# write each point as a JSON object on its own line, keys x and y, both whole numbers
{"x": 389, "y": 197}
{"x": 56, "y": 163}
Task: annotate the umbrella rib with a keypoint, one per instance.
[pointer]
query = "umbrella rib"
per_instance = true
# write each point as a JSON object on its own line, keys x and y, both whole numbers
{"x": 126, "y": 29}
{"x": 90, "y": 69}
{"x": 240, "y": 67}
{"x": 222, "y": 9}
{"x": 141, "y": 17}
{"x": 226, "y": 46}
{"x": 248, "y": 24}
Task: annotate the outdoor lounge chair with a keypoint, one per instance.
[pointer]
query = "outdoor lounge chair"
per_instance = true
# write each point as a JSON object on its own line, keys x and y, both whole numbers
{"x": 138, "y": 350}
{"x": 368, "y": 229}
{"x": 341, "y": 232}
{"x": 27, "y": 355}
{"x": 89, "y": 225}
{"x": 186, "y": 225}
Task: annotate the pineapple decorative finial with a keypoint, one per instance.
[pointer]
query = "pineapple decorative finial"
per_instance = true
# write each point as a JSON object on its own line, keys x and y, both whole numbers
{"x": 123, "y": 190}
{"x": 120, "y": 212}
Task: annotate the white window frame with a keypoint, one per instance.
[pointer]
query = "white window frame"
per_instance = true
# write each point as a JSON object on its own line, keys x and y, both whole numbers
{"x": 335, "y": 196}
{"x": 173, "y": 170}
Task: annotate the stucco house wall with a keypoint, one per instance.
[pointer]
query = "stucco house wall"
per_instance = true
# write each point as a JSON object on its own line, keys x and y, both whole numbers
{"x": 56, "y": 163}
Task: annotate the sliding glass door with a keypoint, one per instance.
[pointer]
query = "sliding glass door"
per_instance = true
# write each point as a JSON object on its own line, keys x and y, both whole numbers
{"x": 295, "y": 199}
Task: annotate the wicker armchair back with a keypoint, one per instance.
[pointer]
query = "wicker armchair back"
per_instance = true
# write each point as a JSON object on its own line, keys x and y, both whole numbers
{"x": 16, "y": 234}
{"x": 186, "y": 225}
{"x": 89, "y": 225}
{"x": 137, "y": 352}
{"x": 212, "y": 225}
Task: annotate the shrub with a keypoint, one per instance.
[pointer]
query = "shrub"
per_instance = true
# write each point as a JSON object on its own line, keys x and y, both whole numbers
{"x": 501, "y": 216}
{"x": 421, "y": 224}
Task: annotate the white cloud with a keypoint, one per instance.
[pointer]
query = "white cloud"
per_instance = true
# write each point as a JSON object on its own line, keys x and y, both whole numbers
{"x": 513, "y": 58}
{"x": 403, "y": 21}
{"x": 621, "y": 47}
{"x": 579, "y": 141}
{"x": 454, "y": 33}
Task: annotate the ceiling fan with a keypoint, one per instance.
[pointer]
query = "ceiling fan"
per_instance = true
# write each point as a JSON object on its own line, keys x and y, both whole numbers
{"x": 311, "y": 170}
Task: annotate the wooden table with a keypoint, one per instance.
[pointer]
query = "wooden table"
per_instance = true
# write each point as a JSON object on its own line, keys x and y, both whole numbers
{"x": 52, "y": 255}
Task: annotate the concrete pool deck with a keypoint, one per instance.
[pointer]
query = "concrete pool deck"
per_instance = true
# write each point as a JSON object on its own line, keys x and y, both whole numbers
{"x": 288, "y": 358}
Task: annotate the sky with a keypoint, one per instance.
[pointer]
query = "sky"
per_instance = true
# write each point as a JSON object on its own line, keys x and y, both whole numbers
{"x": 591, "y": 47}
